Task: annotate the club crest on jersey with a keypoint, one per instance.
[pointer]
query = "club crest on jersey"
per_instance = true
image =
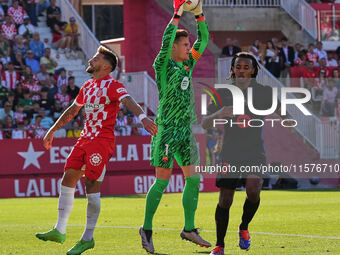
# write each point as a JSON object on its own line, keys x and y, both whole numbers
{"x": 185, "y": 83}
{"x": 99, "y": 93}
{"x": 165, "y": 159}
{"x": 187, "y": 68}
{"x": 96, "y": 159}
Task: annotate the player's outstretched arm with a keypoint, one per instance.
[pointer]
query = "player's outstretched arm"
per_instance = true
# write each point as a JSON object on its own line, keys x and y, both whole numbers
{"x": 169, "y": 36}
{"x": 65, "y": 117}
{"x": 202, "y": 34}
{"x": 137, "y": 110}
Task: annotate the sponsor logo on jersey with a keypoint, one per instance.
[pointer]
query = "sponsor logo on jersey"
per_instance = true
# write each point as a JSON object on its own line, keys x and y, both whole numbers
{"x": 165, "y": 159}
{"x": 185, "y": 83}
{"x": 92, "y": 106}
{"x": 121, "y": 90}
{"x": 96, "y": 159}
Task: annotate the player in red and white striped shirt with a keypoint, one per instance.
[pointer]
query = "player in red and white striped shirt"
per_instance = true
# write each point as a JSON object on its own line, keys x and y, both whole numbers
{"x": 101, "y": 97}
{"x": 10, "y": 78}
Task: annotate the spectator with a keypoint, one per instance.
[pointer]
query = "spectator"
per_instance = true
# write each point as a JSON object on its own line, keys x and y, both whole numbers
{"x": 8, "y": 29}
{"x": 8, "y": 126}
{"x": 37, "y": 46}
{"x": 6, "y": 111}
{"x": 5, "y": 49}
{"x": 27, "y": 101}
{"x": 19, "y": 113}
{"x": 34, "y": 112}
{"x": 26, "y": 30}
{"x": 320, "y": 51}
{"x": 287, "y": 56}
{"x": 10, "y": 78}
{"x": 301, "y": 60}
{"x": 19, "y": 93}
{"x": 62, "y": 79}
{"x": 121, "y": 123}
{"x": 31, "y": 62}
{"x": 72, "y": 34}
{"x": 33, "y": 87}
{"x": 332, "y": 60}
{"x": 275, "y": 42}
{"x": 17, "y": 13}
{"x": 57, "y": 109}
{"x": 53, "y": 15}
{"x": 75, "y": 130}
{"x": 46, "y": 121}
{"x": 63, "y": 97}
{"x": 230, "y": 50}
{"x": 10, "y": 99}
{"x": 272, "y": 59}
{"x": 36, "y": 130}
{"x": 31, "y": 11}
{"x": 44, "y": 76}
{"x": 42, "y": 6}
{"x": 20, "y": 46}
{"x": 255, "y": 50}
{"x": 50, "y": 62}
{"x": 44, "y": 101}
{"x": 309, "y": 75}
{"x": 311, "y": 55}
{"x": 27, "y": 74}
{"x": 336, "y": 78}
{"x": 323, "y": 67}
{"x": 3, "y": 95}
{"x": 328, "y": 100}
{"x": 18, "y": 62}
{"x": 298, "y": 48}
{"x": 72, "y": 89}
{"x": 133, "y": 126}
{"x": 20, "y": 131}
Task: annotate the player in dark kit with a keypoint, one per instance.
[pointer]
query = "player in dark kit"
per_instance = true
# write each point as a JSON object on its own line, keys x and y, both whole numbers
{"x": 242, "y": 146}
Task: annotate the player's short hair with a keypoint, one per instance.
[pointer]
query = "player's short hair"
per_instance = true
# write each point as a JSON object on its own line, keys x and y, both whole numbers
{"x": 109, "y": 55}
{"x": 247, "y": 55}
{"x": 180, "y": 33}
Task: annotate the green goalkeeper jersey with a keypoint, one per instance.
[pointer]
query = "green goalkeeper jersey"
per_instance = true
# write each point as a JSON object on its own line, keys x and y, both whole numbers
{"x": 174, "y": 80}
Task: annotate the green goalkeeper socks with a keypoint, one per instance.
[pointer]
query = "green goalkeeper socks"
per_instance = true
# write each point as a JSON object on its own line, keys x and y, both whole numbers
{"x": 152, "y": 201}
{"x": 190, "y": 200}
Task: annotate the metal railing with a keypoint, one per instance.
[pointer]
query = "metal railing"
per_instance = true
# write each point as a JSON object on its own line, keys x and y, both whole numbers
{"x": 87, "y": 40}
{"x": 242, "y": 3}
{"x": 303, "y": 13}
{"x": 142, "y": 88}
{"x": 322, "y": 135}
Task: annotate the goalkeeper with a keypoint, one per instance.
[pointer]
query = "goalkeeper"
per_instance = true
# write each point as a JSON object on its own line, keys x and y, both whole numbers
{"x": 176, "y": 112}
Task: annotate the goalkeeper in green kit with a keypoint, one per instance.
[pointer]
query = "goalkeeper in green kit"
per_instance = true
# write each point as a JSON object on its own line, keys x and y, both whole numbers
{"x": 176, "y": 112}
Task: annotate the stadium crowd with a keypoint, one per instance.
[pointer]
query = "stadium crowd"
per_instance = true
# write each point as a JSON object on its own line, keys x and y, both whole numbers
{"x": 33, "y": 93}
{"x": 310, "y": 67}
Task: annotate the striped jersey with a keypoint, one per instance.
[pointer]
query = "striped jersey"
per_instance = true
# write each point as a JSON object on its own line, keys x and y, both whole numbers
{"x": 101, "y": 99}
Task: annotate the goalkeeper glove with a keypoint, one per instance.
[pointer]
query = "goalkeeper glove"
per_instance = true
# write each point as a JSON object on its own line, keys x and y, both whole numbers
{"x": 178, "y": 6}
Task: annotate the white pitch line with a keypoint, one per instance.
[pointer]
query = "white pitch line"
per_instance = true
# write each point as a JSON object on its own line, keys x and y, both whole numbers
{"x": 212, "y": 231}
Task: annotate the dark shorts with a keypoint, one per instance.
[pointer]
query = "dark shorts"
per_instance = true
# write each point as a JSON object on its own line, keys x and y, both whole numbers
{"x": 239, "y": 175}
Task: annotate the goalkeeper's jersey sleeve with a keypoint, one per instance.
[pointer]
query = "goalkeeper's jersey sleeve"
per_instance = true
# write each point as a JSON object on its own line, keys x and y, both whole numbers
{"x": 174, "y": 80}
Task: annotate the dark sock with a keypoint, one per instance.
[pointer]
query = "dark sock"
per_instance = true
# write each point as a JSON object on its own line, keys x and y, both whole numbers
{"x": 148, "y": 234}
{"x": 249, "y": 210}
{"x": 222, "y": 220}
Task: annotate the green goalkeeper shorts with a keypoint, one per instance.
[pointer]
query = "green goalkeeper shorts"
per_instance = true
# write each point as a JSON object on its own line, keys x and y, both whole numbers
{"x": 170, "y": 143}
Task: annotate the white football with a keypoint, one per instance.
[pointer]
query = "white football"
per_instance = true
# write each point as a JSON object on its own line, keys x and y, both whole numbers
{"x": 190, "y": 5}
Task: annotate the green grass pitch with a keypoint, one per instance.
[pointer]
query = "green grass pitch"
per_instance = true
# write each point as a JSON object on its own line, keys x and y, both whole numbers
{"x": 311, "y": 213}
